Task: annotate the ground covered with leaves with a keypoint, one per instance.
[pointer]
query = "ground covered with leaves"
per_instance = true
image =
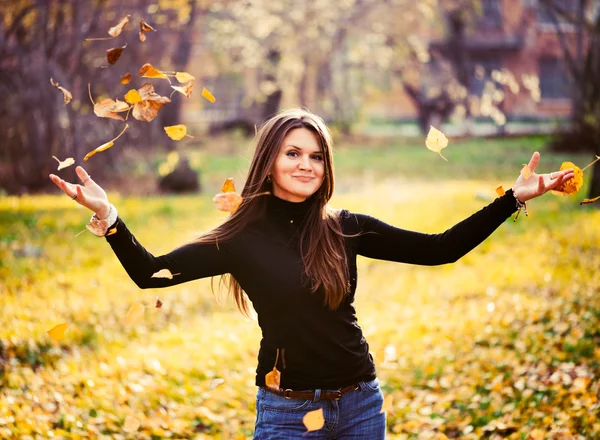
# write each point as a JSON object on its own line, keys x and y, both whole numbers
{"x": 502, "y": 344}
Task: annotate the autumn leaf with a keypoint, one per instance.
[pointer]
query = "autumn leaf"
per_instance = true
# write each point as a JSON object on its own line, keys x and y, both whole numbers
{"x": 107, "y": 108}
{"x": 216, "y": 382}
{"x": 228, "y": 200}
{"x": 572, "y": 185}
{"x": 67, "y": 96}
{"x": 65, "y": 163}
{"x": 314, "y": 420}
{"x": 132, "y": 97}
{"x": 206, "y": 94}
{"x": 134, "y": 314}
{"x": 184, "y": 77}
{"x": 125, "y": 79}
{"x": 164, "y": 273}
{"x": 144, "y": 29}
{"x": 131, "y": 424}
{"x": 112, "y": 55}
{"x": 58, "y": 331}
{"x": 586, "y": 201}
{"x": 436, "y": 141}
{"x": 526, "y": 171}
{"x": 177, "y": 132}
{"x": 147, "y": 71}
{"x": 147, "y": 109}
{"x": 158, "y": 303}
{"x": 111, "y": 231}
{"x": 105, "y": 146}
{"x": 114, "y": 31}
{"x": 185, "y": 90}
{"x": 500, "y": 191}
{"x": 228, "y": 186}
{"x": 273, "y": 378}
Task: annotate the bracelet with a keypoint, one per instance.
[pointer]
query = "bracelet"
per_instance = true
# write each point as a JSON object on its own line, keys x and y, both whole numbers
{"x": 99, "y": 227}
{"x": 520, "y": 206}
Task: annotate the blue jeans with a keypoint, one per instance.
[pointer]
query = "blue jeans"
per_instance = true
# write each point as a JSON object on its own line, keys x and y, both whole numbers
{"x": 356, "y": 416}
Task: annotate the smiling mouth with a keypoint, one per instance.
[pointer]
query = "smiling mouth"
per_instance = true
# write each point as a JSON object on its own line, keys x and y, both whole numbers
{"x": 303, "y": 178}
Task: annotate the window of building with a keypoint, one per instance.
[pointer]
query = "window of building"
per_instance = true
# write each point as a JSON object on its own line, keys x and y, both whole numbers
{"x": 554, "y": 81}
{"x": 491, "y": 14}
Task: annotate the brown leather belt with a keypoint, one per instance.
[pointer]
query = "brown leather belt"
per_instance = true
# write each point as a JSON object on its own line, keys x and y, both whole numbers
{"x": 310, "y": 395}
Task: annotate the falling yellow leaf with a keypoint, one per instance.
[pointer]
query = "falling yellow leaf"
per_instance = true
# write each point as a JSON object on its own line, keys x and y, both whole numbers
{"x": 177, "y": 132}
{"x": 526, "y": 171}
{"x": 113, "y": 55}
{"x": 273, "y": 379}
{"x": 144, "y": 29}
{"x": 436, "y": 141}
{"x": 107, "y": 108}
{"x": 131, "y": 424}
{"x": 572, "y": 185}
{"x": 116, "y": 30}
{"x": 164, "y": 273}
{"x": 58, "y": 332}
{"x": 314, "y": 420}
{"x": 228, "y": 186}
{"x": 147, "y": 71}
{"x": 206, "y": 94}
{"x": 132, "y": 97}
{"x": 105, "y": 146}
{"x": 387, "y": 403}
{"x": 500, "y": 191}
{"x": 185, "y": 90}
{"x": 584, "y": 201}
{"x": 67, "y": 96}
{"x": 135, "y": 314}
{"x": 65, "y": 163}
{"x": 184, "y": 77}
{"x": 125, "y": 79}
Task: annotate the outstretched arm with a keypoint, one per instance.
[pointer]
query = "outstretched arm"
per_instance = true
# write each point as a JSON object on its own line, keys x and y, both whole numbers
{"x": 188, "y": 262}
{"x": 383, "y": 241}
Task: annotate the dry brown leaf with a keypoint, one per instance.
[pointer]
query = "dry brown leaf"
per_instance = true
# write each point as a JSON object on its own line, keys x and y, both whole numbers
{"x": 164, "y": 273}
{"x": 105, "y": 146}
{"x": 148, "y": 71}
{"x": 158, "y": 303}
{"x": 273, "y": 379}
{"x": 114, "y": 31}
{"x": 135, "y": 314}
{"x": 436, "y": 141}
{"x": 184, "y": 77}
{"x": 206, "y": 94}
{"x": 185, "y": 90}
{"x": 144, "y": 29}
{"x": 125, "y": 79}
{"x": 584, "y": 201}
{"x": 147, "y": 110}
{"x": 131, "y": 424}
{"x": 314, "y": 420}
{"x": 58, "y": 331}
{"x": 177, "y": 132}
{"x": 65, "y": 163}
{"x": 526, "y": 171}
{"x": 132, "y": 97}
{"x": 572, "y": 185}
{"x": 113, "y": 55}
{"x": 107, "y": 108}
{"x": 67, "y": 96}
{"x": 500, "y": 191}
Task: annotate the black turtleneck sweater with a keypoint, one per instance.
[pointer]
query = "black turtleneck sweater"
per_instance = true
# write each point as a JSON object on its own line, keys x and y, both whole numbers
{"x": 322, "y": 348}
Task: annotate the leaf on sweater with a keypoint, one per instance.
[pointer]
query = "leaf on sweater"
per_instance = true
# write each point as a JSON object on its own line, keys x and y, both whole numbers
{"x": 572, "y": 185}
{"x": 67, "y": 96}
{"x": 113, "y": 55}
{"x": 273, "y": 378}
{"x": 58, "y": 331}
{"x": 164, "y": 273}
{"x": 314, "y": 420}
{"x": 144, "y": 29}
{"x": 206, "y": 94}
{"x": 105, "y": 146}
{"x": 500, "y": 191}
{"x": 65, "y": 163}
{"x": 111, "y": 231}
{"x": 135, "y": 314}
{"x": 125, "y": 79}
{"x": 436, "y": 141}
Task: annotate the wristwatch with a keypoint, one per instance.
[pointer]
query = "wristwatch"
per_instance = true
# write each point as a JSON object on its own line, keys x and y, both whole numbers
{"x": 99, "y": 227}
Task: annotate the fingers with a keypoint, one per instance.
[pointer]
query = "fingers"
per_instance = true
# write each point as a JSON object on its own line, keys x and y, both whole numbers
{"x": 67, "y": 188}
{"x": 541, "y": 185}
{"x": 82, "y": 174}
{"x": 535, "y": 159}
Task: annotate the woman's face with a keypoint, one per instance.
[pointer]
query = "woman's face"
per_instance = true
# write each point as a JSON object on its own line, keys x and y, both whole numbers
{"x": 299, "y": 169}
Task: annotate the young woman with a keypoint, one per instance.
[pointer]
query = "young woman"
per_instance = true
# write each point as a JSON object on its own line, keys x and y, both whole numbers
{"x": 294, "y": 259}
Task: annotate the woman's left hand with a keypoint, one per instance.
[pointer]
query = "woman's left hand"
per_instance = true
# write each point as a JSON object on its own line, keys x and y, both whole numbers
{"x": 538, "y": 184}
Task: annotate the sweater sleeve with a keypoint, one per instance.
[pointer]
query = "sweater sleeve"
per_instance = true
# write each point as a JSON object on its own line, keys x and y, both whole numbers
{"x": 385, "y": 242}
{"x": 186, "y": 263}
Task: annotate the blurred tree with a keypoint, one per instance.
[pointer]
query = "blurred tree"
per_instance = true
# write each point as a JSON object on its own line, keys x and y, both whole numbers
{"x": 582, "y": 60}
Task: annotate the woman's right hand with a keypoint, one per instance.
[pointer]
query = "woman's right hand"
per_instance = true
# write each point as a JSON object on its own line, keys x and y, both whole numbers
{"x": 88, "y": 194}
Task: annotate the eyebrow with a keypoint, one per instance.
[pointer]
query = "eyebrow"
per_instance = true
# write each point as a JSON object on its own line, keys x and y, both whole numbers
{"x": 320, "y": 150}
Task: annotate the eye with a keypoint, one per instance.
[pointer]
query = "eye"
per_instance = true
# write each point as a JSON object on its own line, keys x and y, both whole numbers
{"x": 317, "y": 157}
{"x": 292, "y": 153}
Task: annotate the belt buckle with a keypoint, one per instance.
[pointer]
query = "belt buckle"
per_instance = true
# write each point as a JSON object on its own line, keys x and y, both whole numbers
{"x": 286, "y": 393}
{"x": 338, "y": 395}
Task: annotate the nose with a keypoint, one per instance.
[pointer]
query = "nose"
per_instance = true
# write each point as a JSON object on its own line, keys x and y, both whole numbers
{"x": 304, "y": 163}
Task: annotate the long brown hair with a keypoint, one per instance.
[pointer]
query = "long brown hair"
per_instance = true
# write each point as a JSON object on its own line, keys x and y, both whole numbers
{"x": 321, "y": 238}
